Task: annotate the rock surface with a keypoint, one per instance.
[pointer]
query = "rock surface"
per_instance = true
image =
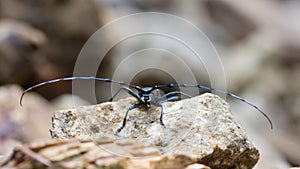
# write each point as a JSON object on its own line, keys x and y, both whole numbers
{"x": 201, "y": 128}
{"x": 94, "y": 154}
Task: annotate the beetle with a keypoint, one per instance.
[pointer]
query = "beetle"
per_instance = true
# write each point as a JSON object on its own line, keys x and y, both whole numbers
{"x": 148, "y": 96}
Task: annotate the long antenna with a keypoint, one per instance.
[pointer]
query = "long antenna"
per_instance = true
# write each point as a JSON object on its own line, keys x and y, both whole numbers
{"x": 76, "y": 78}
{"x": 218, "y": 91}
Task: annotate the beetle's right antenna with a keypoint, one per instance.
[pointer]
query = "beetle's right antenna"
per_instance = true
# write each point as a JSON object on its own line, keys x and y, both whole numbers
{"x": 77, "y": 78}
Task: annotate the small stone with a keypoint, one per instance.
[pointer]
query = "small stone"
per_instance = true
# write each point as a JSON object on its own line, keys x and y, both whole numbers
{"x": 197, "y": 166}
{"x": 201, "y": 129}
{"x": 26, "y": 123}
{"x": 22, "y": 47}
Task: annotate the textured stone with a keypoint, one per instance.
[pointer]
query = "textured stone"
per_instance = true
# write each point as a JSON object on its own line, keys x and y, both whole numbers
{"x": 201, "y": 128}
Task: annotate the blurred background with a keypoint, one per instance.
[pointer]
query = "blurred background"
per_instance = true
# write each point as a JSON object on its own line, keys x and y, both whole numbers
{"x": 258, "y": 42}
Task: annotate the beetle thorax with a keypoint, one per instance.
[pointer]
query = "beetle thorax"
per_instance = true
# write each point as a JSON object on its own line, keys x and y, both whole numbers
{"x": 149, "y": 95}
